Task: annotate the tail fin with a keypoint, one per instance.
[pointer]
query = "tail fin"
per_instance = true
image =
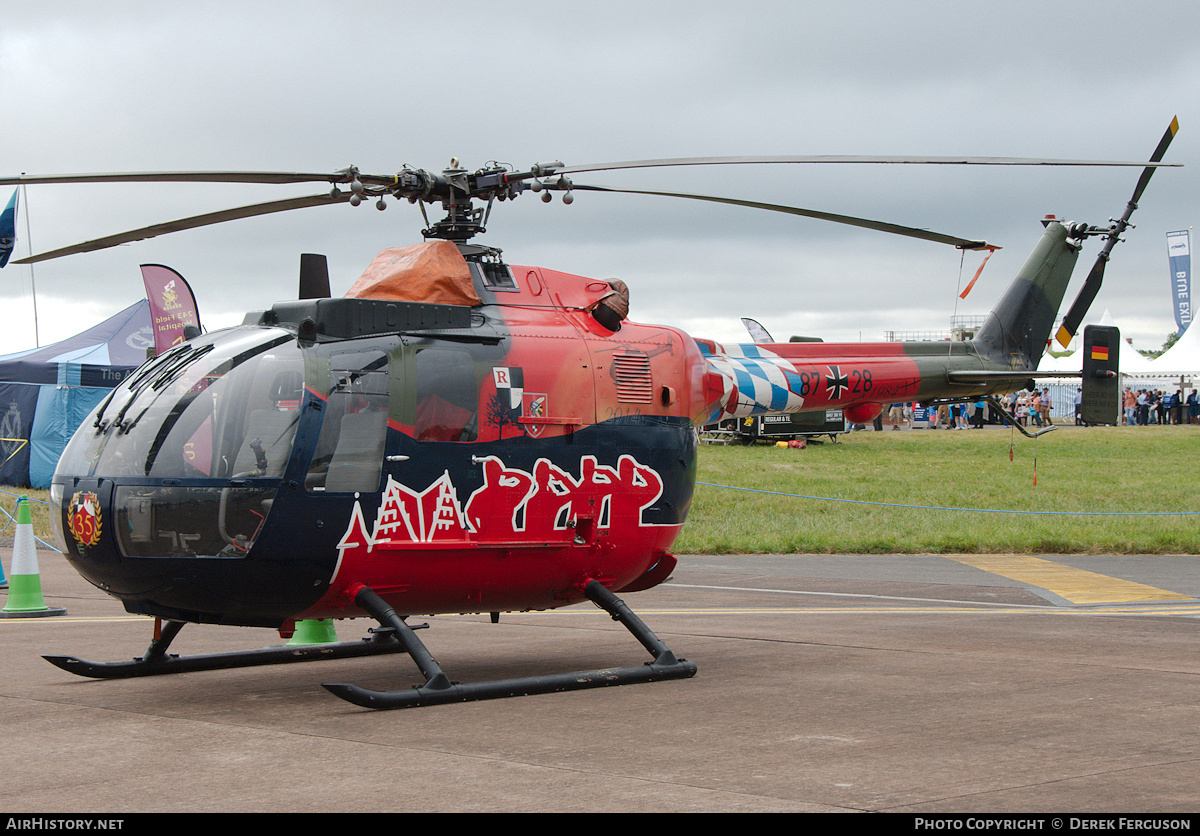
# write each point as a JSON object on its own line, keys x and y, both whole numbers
{"x": 1017, "y": 330}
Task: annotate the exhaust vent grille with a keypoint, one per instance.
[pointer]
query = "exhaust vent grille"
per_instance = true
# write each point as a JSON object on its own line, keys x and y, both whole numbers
{"x": 632, "y": 374}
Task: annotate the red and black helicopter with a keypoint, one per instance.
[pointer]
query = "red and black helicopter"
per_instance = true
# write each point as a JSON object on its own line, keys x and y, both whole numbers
{"x": 459, "y": 434}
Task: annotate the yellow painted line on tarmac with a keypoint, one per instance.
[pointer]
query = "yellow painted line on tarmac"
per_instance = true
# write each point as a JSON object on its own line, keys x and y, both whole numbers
{"x": 70, "y": 619}
{"x": 1187, "y": 610}
{"x": 1192, "y": 609}
{"x": 1078, "y": 586}
{"x": 1168, "y": 609}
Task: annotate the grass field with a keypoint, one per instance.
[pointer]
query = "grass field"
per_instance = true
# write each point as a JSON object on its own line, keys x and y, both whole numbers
{"x": 1105, "y": 472}
{"x": 38, "y": 508}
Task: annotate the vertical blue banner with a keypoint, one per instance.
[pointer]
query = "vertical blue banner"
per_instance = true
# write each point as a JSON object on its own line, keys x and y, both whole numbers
{"x": 18, "y": 404}
{"x": 1179, "y": 252}
{"x": 8, "y": 229}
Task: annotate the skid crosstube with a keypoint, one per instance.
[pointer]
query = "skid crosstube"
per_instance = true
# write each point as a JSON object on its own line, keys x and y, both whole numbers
{"x": 439, "y": 690}
{"x": 157, "y": 661}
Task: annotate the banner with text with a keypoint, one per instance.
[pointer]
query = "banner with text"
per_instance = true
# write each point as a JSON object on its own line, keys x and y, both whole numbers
{"x": 1179, "y": 251}
{"x": 172, "y": 305}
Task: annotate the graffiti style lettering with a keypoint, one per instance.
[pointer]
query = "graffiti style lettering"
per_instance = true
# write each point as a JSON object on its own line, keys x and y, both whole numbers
{"x": 499, "y": 505}
{"x": 512, "y": 501}
{"x": 419, "y": 517}
{"x": 547, "y": 503}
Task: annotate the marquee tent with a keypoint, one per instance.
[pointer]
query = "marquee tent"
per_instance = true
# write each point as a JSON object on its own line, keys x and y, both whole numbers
{"x": 45, "y": 393}
{"x": 1131, "y": 362}
{"x": 1181, "y": 359}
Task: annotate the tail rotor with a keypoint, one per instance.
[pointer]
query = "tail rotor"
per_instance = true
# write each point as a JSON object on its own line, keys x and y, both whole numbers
{"x": 1091, "y": 286}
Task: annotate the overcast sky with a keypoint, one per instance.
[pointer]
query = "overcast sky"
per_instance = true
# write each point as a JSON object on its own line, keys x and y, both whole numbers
{"x": 309, "y": 86}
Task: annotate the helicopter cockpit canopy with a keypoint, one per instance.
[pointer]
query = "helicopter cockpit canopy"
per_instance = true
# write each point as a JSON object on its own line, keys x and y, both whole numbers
{"x": 205, "y": 409}
{"x": 192, "y": 444}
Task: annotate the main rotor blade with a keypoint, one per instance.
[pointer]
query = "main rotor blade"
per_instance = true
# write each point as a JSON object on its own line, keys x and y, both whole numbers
{"x": 847, "y": 159}
{"x": 189, "y": 223}
{"x": 270, "y": 177}
{"x": 345, "y": 175}
{"x": 1091, "y": 286}
{"x": 880, "y": 226}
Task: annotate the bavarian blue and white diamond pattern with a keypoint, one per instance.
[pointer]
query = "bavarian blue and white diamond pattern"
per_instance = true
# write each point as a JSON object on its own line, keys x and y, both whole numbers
{"x": 756, "y": 380}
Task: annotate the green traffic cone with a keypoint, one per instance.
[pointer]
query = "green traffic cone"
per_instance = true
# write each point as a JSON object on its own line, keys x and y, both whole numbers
{"x": 313, "y": 631}
{"x": 25, "y": 587}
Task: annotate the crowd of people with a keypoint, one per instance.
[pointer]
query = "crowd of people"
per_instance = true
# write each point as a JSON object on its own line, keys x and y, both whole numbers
{"x": 1031, "y": 408}
{"x": 1154, "y": 406}
{"x": 955, "y": 416}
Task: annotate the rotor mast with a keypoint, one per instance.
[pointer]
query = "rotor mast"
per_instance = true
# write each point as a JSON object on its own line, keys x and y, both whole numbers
{"x": 458, "y": 190}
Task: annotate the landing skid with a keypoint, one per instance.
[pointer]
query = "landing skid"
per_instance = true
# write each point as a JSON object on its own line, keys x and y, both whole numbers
{"x": 395, "y": 636}
{"x": 439, "y": 690}
{"x": 156, "y": 661}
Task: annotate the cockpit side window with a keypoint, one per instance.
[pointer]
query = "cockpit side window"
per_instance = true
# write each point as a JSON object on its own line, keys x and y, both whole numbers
{"x": 447, "y": 396}
{"x": 349, "y": 452}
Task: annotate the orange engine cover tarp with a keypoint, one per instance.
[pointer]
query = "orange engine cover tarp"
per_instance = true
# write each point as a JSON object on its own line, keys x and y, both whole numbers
{"x": 434, "y": 272}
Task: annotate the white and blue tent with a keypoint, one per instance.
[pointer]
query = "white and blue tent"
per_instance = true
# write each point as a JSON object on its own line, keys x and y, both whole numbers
{"x": 45, "y": 393}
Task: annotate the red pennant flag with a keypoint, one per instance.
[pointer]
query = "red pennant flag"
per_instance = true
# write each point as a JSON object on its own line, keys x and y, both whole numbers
{"x": 978, "y": 272}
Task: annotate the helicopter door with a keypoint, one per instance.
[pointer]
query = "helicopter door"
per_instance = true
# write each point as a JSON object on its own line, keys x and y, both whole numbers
{"x": 349, "y": 452}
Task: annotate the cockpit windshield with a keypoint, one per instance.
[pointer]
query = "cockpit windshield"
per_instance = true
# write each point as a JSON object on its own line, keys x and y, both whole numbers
{"x": 194, "y": 444}
{"x": 225, "y": 409}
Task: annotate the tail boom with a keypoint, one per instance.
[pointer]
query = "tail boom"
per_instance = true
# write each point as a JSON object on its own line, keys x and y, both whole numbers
{"x": 861, "y": 378}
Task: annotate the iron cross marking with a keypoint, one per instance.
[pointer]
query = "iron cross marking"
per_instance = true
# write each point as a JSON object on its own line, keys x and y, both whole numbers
{"x": 836, "y": 382}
